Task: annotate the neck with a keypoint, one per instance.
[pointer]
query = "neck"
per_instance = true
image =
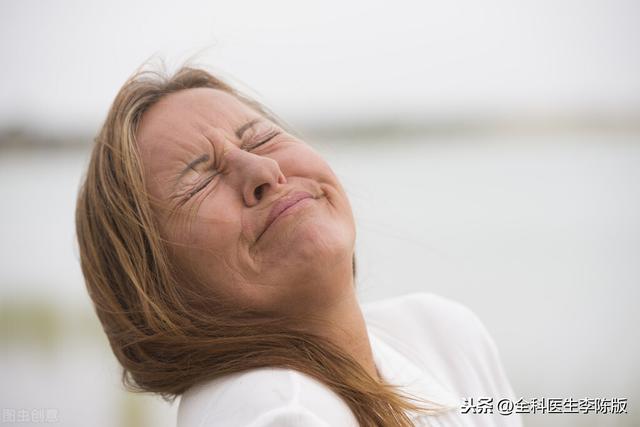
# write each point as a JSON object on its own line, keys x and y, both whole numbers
{"x": 349, "y": 332}
{"x": 340, "y": 320}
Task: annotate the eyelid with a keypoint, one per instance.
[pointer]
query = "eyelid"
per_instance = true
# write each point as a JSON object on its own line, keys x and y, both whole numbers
{"x": 263, "y": 140}
{"x": 202, "y": 185}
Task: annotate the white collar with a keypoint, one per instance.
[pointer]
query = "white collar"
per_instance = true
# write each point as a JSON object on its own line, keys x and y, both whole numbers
{"x": 397, "y": 369}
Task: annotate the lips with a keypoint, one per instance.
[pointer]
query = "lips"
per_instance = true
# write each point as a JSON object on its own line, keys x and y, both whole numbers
{"x": 282, "y": 205}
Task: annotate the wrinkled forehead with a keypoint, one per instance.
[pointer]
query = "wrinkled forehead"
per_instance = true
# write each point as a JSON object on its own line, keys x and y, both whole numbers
{"x": 186, "y": 114}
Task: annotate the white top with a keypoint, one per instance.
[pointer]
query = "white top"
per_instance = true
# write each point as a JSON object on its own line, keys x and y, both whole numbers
{"x": 436, "y": 348}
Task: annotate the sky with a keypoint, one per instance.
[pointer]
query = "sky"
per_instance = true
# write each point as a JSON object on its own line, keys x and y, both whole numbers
{"x": 329, "y": 61}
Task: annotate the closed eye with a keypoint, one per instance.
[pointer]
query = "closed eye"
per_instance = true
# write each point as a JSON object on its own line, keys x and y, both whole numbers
{"x": 201, "y": 185}
{"x": 268, "y": 138}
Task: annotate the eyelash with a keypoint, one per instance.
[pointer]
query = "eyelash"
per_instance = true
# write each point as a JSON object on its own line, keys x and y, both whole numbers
{"x": 206, "y": 182}
{"x": 266, "y": 139}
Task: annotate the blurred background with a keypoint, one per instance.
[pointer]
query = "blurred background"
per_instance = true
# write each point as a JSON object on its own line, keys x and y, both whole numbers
{"x": 491, "y": 151}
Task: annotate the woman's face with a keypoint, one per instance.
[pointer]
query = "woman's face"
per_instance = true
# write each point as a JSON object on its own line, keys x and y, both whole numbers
{"x": 221, "y": 175}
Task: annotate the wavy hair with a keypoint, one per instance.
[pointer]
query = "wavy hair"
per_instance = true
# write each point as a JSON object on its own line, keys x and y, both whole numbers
{"x": 164, "y": 339}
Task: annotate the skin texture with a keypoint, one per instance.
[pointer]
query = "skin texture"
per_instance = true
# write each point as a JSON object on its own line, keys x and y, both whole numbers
{"x": 214, "y": 213}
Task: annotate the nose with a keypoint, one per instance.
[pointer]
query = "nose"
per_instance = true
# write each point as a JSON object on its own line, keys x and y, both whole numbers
{"x": 253, "y": 175}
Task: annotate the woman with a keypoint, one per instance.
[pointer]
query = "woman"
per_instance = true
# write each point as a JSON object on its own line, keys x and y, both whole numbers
{"x": 218, "y": 249}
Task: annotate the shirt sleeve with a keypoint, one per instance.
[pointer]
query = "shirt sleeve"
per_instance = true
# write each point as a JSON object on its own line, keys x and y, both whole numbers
{"x": 264, "y": 397}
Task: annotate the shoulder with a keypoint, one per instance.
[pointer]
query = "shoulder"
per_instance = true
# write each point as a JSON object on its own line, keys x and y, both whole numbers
{"x": 423, "y": 317}
{"x": 263, "y": 397}
{"x": 420, "y": 311}
{"x": 442, "y": 334}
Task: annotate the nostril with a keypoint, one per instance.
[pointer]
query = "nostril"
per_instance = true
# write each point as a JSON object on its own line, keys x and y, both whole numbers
{"x": 258, "y": 192}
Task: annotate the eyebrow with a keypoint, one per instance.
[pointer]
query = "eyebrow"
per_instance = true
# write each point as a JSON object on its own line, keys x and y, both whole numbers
{"x": 242, "y": 129}
{"x": 192, "y": 165}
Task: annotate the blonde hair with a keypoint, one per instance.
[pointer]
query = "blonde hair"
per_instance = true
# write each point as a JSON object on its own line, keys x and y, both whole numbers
{"x": 165, "y": 341}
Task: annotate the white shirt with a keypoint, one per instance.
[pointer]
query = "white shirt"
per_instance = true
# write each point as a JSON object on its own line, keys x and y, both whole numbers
{"x": 435, "y": 348}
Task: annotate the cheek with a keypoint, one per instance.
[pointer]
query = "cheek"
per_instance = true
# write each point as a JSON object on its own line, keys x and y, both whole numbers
{"x": 305, "y": 161}
{"x": 204, "y": 239}
{"x": 309, "y": 163}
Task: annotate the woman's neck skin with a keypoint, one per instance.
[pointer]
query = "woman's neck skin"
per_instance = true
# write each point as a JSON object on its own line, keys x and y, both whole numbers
{"x": 342, "y": 321}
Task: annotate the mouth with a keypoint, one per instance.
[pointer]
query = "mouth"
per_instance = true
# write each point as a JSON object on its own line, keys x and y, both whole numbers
{"x": 283, "y": 205}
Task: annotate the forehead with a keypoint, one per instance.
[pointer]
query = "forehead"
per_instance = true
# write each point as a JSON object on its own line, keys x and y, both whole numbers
{"x": 191, "y": 111}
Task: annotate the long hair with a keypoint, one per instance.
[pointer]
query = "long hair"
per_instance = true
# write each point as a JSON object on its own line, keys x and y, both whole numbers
{"x": 165, "y": 341}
